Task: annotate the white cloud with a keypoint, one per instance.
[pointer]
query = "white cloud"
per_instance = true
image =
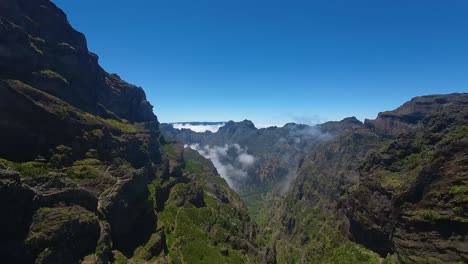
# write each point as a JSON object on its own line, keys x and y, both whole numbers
{"x": 246, "y": 160}
{"x": 197, "y": 128}
{"x": 231, "y": 161}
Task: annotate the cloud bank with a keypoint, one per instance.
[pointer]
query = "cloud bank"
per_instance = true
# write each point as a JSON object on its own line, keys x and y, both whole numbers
{"x": 199, "y": 128}
{"x": 231, "y": 160}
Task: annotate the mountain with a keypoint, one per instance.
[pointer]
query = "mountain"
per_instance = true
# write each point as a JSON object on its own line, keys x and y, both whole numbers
{"x": 277, "y": 150}
{"x": 85, "y": 176}
{"x": 395, "y": 184}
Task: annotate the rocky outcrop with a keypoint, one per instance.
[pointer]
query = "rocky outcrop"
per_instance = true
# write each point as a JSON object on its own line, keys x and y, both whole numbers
{"x": 125, "y": 207}
{"x": 62, "y": 234}
{"x": 16, "y": 202}
{"x": 415, "y": 185}
{"x": 56, "y": 189}
{"x": 407, "y": 118}
{"x": 48, "y": 76}
{"x": 393, "y": 186}
{"x": 37, "y": 40}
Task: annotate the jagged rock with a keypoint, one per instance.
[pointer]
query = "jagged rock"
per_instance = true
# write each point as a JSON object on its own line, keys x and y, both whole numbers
{"x": 409, "y": 200}
{"x": 62, "y": 234}
{"x": 191, "y": 193}
{"x": 56, "y": 188}
{"x": 41, "y": 52}
{"x": 104, "y": 244}
{"x": 126, "y": 208}
{"x": 16, "y": 203}
{"x": 407, "y": 118}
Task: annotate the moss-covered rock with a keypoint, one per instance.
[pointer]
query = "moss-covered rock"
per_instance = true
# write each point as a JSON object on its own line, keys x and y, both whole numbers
{"x": 62, "y": 234}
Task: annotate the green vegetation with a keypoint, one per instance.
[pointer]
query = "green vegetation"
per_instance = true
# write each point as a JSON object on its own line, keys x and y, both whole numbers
{"x": 170, "y": 151}
{"x": 48, "y": 221}
{"x": 52, "y": 75}
{"x": 123, "y": 125}
{"x": 86, "y": 169}
{"x": 62, "y": 156}
{"x": 119, "y": 258}
{"x": 199, "y": 234}
{"x": 150, "y": 250}
{"x": 193, "y": 167}
{"x": 27, "y": 169}
{"x": 258, "y": 208}
{"x": 460, "y": 193}
{"x": 315, "y": 239}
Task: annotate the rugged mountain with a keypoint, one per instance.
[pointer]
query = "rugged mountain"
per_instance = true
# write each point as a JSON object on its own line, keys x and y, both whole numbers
{"x": 85, "y": 176}
{"x": 395, "y": 184}
{"x": 417, "y": 184}
{"x": 277, "y": 150}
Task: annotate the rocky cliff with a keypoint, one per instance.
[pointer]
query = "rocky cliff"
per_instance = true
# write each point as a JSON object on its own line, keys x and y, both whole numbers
{"x": 85, "y": 176}
{"x": 396, "y": 185}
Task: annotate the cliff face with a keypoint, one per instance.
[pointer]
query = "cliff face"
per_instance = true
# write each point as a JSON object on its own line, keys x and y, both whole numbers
{"x": 415, "y": 187}
{"x": 278, "y": 151}
{"x": 395, "y": 185}
{"x": 84, "y": 174}
{"x": 46, "y": 73}
{"x": 407, "y": 118}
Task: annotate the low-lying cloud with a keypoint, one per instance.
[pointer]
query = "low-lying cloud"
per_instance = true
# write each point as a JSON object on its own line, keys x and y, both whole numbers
{"x": 301, "y": 138}
{"x": 198, "y": 128}
{"x": 231, "y": 161}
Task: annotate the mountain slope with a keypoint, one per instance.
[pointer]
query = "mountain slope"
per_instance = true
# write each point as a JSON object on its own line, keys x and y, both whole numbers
{"x": 397, "y": 188}
{"x": 85, "y": 176}
{"x": 395, "y": 184}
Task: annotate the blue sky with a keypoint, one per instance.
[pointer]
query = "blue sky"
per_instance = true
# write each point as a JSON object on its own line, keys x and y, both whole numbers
{"x": 277, "y": 61}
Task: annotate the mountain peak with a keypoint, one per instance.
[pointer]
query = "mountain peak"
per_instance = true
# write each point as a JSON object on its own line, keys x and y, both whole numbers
{"x": 245, "y": 123}
{"x": 408, "y": 116}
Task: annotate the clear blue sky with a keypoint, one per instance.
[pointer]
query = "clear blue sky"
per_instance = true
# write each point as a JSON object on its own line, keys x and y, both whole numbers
{"x": 278, "y": 61}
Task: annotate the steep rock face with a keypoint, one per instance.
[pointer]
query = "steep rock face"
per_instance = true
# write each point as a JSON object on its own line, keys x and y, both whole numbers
{"x": 16, "y": 201}
{"x": 125, "y": 206}
{"x": 62, "y": 234}
{"x": 396, "y": 189}
{"x": 58, "y": 103}
{"x": 40, "y": 48}
{"x": 312, "y": 226}
{"x": 407, "y": 118}
{"x": 277, "y": 150}
{"x": 81, "y": 159}
{"x": 416, "y": 188}
{"x": 40, "y": 51}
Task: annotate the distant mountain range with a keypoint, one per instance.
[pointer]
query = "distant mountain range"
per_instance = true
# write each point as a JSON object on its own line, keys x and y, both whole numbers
{"x": 395, "y": 184}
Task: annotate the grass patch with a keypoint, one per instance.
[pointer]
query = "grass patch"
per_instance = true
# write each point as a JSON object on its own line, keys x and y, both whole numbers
{"x": 123, "y": 125}
{"x": 52, "y": 75}
{"x": 170, "y": 151}
{"x": 27, "y": 169}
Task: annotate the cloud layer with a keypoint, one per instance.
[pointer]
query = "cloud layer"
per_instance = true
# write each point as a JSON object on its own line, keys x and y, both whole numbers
{"x": 197, "y": 128}
{"x": 231, "y": 160}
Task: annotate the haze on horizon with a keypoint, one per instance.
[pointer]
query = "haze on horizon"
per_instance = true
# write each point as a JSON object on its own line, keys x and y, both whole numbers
{"x": 275, "y": 62}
